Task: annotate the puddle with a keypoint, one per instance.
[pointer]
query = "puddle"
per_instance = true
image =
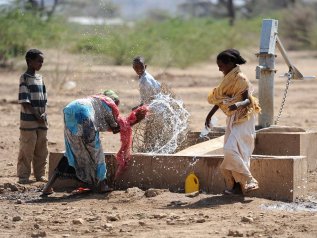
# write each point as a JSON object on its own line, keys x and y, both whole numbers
{"x": 307, "y": 205}
{"x": 26, "y": 196}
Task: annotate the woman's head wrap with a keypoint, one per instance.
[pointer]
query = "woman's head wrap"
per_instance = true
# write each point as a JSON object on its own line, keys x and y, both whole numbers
{"x": 111, "y": 94}
{"x": 231, "y": 56}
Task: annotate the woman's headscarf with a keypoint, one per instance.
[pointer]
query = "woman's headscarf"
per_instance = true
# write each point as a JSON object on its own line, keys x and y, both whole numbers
{"x": 111, "y": 94}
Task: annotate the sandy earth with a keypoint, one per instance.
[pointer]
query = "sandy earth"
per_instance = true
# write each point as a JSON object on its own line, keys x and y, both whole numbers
{"x": 23, "y": 213}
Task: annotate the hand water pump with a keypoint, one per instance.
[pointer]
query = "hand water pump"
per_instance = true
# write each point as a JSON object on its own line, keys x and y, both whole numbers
{"x": 265, "y": 72}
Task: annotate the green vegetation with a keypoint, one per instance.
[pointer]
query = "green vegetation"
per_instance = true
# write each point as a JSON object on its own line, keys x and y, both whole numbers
{"x": 21, "y": 30}
{"x": 174, "y": 42}
{"x": 170, "y": 42}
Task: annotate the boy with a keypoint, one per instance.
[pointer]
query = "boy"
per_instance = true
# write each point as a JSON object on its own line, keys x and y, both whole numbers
{"x": 149, "y": 87}
{"x": 33, "y": 120}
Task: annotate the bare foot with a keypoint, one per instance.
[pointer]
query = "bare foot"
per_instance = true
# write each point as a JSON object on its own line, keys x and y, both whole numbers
{"x": 251, "y": 186}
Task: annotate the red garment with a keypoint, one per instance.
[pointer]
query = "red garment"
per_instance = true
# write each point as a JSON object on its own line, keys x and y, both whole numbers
{"x": 125, "y": 123}
{"x": 124, "y": 154}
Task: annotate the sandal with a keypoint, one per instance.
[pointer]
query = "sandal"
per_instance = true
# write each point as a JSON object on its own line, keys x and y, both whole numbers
{"x": 46, "y": 193}
{"x": 105, "y": 189}
{"x": 251, "y": 186}
{"x": 81, "y": 190}
{"x": 236, "y": 190}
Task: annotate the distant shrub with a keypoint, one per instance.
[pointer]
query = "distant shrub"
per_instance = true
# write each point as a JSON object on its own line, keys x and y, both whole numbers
{"x": 20, "y": 30}
{"x": 298, "y": 27}
{"x": 173, "y": 42}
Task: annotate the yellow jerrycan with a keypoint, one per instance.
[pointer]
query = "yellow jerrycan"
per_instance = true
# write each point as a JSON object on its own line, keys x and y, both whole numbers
{"x": 191, "y": 183}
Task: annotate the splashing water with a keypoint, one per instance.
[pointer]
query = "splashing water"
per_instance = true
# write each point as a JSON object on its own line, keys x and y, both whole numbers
{"x": 164, "y": 129}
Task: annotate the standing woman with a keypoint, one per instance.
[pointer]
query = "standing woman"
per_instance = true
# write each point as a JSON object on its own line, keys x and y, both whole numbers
{"x": 234, "y": 98}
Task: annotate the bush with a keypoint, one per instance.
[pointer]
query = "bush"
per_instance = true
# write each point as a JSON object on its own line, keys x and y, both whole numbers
{"x": 20, "y": 30}
{"x": 174, "y": 42}
{"x": 298, "y": 27}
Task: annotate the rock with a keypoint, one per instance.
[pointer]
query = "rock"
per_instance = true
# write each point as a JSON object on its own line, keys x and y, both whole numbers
{"x": 39, "y": 234}
{"x": 247, "y": 219}
{"x": 177, "y": 203}
{"x": 78, "y": 221}
{"x": 11, "y": 186}
{"x": 90, "y": 219}
{"x": 58, "y": 221}
{"x": 182, "y": 219}
{"x": 113, "y": 218}
{"x": 142, "y": 223}
{"x": 173, "y": 216}
{"x": 141, "y": 215}
{"x": 9, "y": 164}
{"x": 134, "y": 192}
{"x": 19, "y": 201}
{"x": 34, "y": 234}
{"x": 160, "y": 216}
{"x": 191, "y": 195}
{"x": 65, "y": 235}
{"x": 42, "y": 234}
{"x": 152, "y": 192}
{"x": 16, "y": 218}
{"x": 169, "y": 222}
{"x": 108, "y": 226}
{"x": 200, "y": 220}
{"x": 39, "y": 219}
{"x": 36, "y": 226}
{"x": 235, "y": 233}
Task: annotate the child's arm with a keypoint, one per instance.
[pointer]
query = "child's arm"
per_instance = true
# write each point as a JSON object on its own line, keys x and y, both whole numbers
{"x": 140, "y": 105}
{"x": 210, "y": 114}
{"x": 244, "y": 103}
{"x": 39, "y": 117}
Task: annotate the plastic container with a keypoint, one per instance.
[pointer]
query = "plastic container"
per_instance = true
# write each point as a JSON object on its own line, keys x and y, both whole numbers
{"x": 205, "y": 131}
{"x": 191, "y": 183}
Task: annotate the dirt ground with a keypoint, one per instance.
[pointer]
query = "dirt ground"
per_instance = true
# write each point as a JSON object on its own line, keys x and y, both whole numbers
{"x": 23, "y": 213}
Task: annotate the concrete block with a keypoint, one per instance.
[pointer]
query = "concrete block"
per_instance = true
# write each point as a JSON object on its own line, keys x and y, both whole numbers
{"x": 296, "y": 143}
{"x": 280, "y": 178}
{"x": 64, "y": 184}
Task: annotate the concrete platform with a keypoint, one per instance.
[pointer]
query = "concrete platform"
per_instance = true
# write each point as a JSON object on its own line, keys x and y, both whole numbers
{"x": 280, "y": 177}
{"x": 275, "y": 141}
{"x": 288, "y": 141}
{"x": 209, "y": 147}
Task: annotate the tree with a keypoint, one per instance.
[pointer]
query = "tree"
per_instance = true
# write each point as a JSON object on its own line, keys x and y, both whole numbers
{"x": 231, "y": 12}
{"x": 40, "y": 7}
